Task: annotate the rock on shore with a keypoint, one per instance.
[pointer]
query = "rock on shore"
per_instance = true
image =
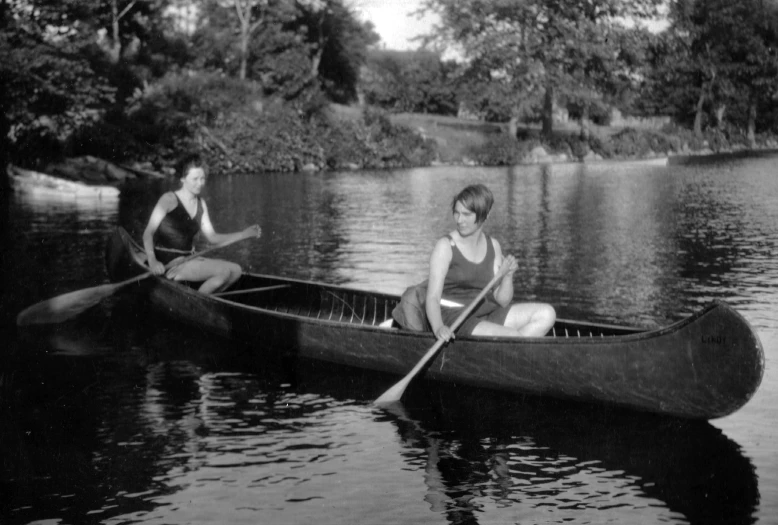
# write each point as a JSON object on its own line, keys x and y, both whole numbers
{"x": 92, "y": 170}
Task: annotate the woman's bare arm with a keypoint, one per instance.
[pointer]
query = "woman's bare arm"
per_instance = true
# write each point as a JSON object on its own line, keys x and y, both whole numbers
{"x": 164, "y": 205}
{"x": 440, "y": 259}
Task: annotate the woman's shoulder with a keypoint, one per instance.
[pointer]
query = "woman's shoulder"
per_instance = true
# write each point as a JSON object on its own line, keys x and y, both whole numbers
{"x": 446, "y": 240}
{"x": 444, "y": 245}
{"x": 168, "y": 200}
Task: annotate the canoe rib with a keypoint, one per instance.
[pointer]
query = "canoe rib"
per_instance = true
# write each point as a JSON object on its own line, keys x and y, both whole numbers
{"x": 705, "y": 366}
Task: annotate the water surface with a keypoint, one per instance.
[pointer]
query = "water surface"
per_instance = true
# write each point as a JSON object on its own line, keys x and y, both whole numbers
{"x": 123, "y": 417}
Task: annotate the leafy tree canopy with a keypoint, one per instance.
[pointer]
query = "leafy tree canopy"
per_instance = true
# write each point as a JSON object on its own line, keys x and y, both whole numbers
{"x": 410, "y": 81}
{"x": 289, "y": 46}
{"x": 548, "y": 48}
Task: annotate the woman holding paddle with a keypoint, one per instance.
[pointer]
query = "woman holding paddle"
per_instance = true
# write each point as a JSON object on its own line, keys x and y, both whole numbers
{"x": 179, "y": 216}
{"x": 463, "y": 263}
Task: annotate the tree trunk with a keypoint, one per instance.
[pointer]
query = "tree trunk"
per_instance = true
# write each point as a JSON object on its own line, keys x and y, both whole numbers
{"x": 244, "y": 54}
{"x": 699, "y": 114}
{"x": 513, "y": 127}
{"x": 585, "y": 132}
{"x": 315, "y": 61}
{"x": 243, "y": 10}
{"x": 548, "y": 112}
{"x": 720, "y": 110}
{"x": 752, "y": 124}
{"x": 321, "y": 43}
{"x": 115, "y": 51}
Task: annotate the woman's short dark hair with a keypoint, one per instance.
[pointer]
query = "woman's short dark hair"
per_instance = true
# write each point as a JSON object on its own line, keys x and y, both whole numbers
{"x": 189, "y": 161}
{"x": 476, "y": 198}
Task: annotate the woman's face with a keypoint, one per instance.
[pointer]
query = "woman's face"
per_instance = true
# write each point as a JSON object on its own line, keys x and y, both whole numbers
{"x": 465, "y": 220}
{"x": 194, "y": 180}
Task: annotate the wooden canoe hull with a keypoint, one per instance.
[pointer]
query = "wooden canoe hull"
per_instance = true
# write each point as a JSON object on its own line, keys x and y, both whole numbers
{"x": 704, "y": 367}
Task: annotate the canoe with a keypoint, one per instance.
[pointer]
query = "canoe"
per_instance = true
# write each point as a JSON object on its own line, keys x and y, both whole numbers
{"x": 34, "y": 182}
{"x": 705, "y": 366}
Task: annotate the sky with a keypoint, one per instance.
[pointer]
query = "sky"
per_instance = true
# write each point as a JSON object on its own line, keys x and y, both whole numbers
{"x": 391, "y": 21}
{"x": 396, "y": 28}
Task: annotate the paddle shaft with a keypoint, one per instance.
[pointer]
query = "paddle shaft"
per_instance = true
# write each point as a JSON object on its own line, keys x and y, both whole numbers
{"x": 175, "y": 262}
{"x": 66, "y": 306}
{"x": 395, "y": 393}
{"x": 253, "y": 290}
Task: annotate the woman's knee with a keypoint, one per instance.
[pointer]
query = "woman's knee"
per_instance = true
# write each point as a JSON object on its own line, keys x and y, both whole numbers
{"x": 235, "y": 271}
{"x": 546, "y": 313}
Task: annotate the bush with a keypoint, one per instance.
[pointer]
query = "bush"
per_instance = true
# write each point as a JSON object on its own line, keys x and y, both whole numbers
{"x": 501, "y": 150}
{"x": 630, "y": 143}
{"x": 105, "y": 140}
{"x": 240, "y": 130}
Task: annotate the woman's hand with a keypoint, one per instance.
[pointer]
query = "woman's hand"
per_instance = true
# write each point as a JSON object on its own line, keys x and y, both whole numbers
{"x": 175, "y": 267}
{"x": 252, "y": 231}
{"x": 445, "y": 333}
{"x": 509, "y": 266}
{"x": 157, "y": 268}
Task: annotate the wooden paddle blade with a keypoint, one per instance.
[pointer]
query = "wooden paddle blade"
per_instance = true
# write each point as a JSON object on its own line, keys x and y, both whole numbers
{"x": 68, "y": 305}
{"x": 64, "y": 307}
{"x": 395, "y": 393}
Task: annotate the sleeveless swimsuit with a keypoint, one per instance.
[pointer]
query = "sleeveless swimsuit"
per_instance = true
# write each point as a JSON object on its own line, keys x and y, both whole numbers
{"x": 463, "y": 282}
{"x": 176, "y": 233}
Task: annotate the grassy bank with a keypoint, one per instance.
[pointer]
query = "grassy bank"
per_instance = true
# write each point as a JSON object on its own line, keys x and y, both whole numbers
{"x": 473, "y": 142}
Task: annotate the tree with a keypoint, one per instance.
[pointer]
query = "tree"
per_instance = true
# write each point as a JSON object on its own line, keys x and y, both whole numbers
{"x": 295, "y": 45}
{"x": 337, "y": 45}
{"x": 250, "y": 17}
{"x": 51, "y": 88}
{"x": 753, "y": 69}
{"x": 716, "y": 55}
{"x": 410, "y": 81}
{"x": 546, "y": 48}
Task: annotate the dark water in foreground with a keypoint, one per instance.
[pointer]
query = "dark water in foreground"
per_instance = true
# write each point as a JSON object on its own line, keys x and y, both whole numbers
{"x": 121, "y": 417}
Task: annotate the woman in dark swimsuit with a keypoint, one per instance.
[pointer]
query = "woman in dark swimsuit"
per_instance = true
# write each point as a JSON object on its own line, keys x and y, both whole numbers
{"x": 176, "y": 219}
{"x": 462, "y": 264}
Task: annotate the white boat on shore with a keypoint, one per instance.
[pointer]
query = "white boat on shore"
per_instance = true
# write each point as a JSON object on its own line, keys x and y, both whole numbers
{"x": 648, "y": 161}
{"x": 34, "y": 182}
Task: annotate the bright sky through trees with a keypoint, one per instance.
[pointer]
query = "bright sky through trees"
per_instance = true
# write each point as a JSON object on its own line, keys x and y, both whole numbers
{"x": 392, "y": 21}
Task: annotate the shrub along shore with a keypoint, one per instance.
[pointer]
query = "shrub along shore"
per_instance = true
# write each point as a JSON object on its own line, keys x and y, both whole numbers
{"x": 239, "y": 131}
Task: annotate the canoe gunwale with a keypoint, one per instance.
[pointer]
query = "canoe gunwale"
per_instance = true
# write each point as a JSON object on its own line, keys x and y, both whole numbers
{"x": 639, "y": 335}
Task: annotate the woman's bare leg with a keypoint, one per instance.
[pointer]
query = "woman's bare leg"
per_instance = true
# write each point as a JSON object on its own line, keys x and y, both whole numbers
{"x": 215, "y": 274}
{"x": 524, "y": 320}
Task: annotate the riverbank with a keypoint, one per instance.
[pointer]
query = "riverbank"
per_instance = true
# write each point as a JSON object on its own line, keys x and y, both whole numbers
{"x": 268, "y": 138}
{"x": 468, "y": 142}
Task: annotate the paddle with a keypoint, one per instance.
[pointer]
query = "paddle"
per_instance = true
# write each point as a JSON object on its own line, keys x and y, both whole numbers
{"x": 395, "y": 393}
{"x": 66, "y": 306}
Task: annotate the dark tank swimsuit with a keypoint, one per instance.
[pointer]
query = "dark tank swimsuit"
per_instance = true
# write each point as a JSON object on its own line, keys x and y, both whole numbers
{"x": 175, "y": 235}
{"x": 463, "y": 282}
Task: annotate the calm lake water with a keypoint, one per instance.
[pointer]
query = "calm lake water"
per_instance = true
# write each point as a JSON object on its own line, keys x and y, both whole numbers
{"x": 121, "y": 417}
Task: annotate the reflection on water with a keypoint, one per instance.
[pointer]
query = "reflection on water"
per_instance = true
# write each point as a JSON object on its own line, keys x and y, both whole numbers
{"x": 117, "y": 418}
{"x": 577, "y": 464}
{"x": 206, "y": 433}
